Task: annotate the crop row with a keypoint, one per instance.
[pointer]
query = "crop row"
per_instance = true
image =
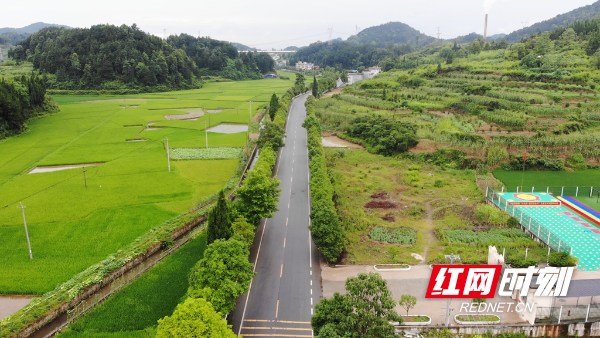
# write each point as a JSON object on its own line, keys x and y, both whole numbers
{"x": 369, "y": 102}
{"x": 398, "y": 236}
{"x": 205, "y": 153}
{"x": 504, "y": 118}
{"x": 516, "y": 97}
{"x": 483, "y": 237}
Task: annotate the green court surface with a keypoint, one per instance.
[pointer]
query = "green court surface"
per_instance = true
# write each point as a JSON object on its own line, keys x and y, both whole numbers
{"x": 590, "y": 202}
{"x": 582, "y": 236}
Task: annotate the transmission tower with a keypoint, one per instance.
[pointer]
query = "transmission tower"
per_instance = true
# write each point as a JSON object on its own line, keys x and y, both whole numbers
{"x": 357, "y": 29}
{"x": 330, "y": 29}
{"x": 165, "y": 33}
{"x": 439, "y": 34}
{"x": 524, "y": 24}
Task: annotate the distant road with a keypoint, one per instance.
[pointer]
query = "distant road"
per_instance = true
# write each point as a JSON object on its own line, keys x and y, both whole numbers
{"x": 287, "y": 284}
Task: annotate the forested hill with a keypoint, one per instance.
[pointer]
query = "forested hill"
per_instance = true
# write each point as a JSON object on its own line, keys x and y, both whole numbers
{"x": 214, "y": 57}
{"x": 580, "y": 14}
{"x": 391, "y": 32}
{"x": 125, "y": 58}
{"x": 107, "y": 57}
{"x": 344, "y": 55}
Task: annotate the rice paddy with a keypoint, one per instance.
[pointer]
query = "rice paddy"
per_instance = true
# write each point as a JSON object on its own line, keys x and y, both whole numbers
{"x": 77, "y": 217}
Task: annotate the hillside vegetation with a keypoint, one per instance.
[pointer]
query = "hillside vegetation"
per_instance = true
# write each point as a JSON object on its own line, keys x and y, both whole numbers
{"x": 588, "y": 12}
{"x": 493, "y": 103}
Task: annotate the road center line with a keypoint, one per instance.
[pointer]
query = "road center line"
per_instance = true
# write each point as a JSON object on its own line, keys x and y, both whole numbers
{"x": 284, "y": 247}
{"x": 281, "y": 272}
{"x": 277, "y": 310}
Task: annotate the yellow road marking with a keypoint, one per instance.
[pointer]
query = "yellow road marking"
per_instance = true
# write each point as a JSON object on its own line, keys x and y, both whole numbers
{"x": 275, "y": 335}
{"x": 274, "y": 321}
{"x": 275, "y": 328}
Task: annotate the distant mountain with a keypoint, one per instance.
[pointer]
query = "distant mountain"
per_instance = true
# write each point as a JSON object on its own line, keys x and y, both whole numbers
{"x": 240, "y": 46}
{"x": 391, "y": 32}
{"x": 497, "y": 36}
{"x": 582, "y": 13}
{"x": 466, "y": 38}
{"x": 34, "y": 27}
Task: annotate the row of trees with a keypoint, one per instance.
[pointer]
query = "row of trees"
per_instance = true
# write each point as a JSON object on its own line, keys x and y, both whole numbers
{"x": 326, "y": 231}
{"x": 110, "y": 57}
{"x": 21, "y": 99}
{"x": 225, "y": 273}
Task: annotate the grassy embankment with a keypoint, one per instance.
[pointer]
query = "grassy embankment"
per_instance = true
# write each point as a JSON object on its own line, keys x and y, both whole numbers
{"x": 71, "y": 226}
{"x": 135, "y": 310}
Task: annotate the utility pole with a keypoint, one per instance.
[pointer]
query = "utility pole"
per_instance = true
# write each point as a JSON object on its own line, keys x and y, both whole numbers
{"x": 168, "y": 156}
{"x": 206, "y": 133}
{"x": 448, "y": 311}
{"x": 84, "y": 178}
{"x": 250, "y": 111}
{"x": 439, "y": 34}
{"x": 22, "y": 207}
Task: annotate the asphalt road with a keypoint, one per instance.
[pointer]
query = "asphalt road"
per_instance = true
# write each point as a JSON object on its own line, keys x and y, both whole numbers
{"x": 287, "y": 284}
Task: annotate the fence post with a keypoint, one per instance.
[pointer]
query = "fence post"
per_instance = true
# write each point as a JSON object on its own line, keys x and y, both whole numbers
{"x": 587, "y": 314}
{"x": 559, "y": 241}
{"x": 562, "y": 192}
{"x": 539, "y": 227}
{"x": 517, "y": 189}
{"x": 547, "y": 190}
{"x": 549, "y": 233}
{"x": 560, "y": 314}
{"x": 532, "y": 189}
{"x": 576, "y": 191}
{"x": 502, "y": 188}
{"x": 591, "y": 192}
{"x": 521, "y": 221}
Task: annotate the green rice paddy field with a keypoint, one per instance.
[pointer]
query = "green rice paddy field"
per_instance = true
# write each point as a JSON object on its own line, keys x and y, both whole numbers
{"x": 131, "y": 191}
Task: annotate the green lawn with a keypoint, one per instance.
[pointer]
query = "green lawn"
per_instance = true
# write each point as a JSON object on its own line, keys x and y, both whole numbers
{"x": 138, "y": 306}
{"x": 71, "y": 226}
{"x": 549, "y": 178}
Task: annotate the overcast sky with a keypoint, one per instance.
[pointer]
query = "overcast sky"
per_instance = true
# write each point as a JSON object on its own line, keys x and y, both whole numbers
{"x": 269, "y": 24}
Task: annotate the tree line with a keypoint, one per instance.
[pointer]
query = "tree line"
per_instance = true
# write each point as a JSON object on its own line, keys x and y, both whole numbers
{"x": 111, "y": 58}
{"x": 225, "y": 273}
{"x": 22, "y": 98}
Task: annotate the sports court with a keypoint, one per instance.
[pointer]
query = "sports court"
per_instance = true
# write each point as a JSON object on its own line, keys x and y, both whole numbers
{"x": 561, "y": 222}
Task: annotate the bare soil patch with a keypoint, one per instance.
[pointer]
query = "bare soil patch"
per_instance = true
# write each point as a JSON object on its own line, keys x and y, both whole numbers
{"x": 50, "y": 168}
{"x": 254, "y": 136}
{"x": 441, "y": 114}
{"x": 184, "y": 116}
{"x": 331, "y": 93}
{"x": 336, "y": 142}
{"x": 388, "y": 218}
{"x": 380, "y": 205}
{"x": 380, "y": 195}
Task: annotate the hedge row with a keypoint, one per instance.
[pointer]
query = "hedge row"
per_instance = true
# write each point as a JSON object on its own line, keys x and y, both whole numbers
{"x": 328, "y": 235}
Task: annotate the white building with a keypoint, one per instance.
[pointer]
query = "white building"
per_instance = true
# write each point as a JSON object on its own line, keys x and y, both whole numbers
{"x": 304, "y": 65}
{"x": 366, "y": 74}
